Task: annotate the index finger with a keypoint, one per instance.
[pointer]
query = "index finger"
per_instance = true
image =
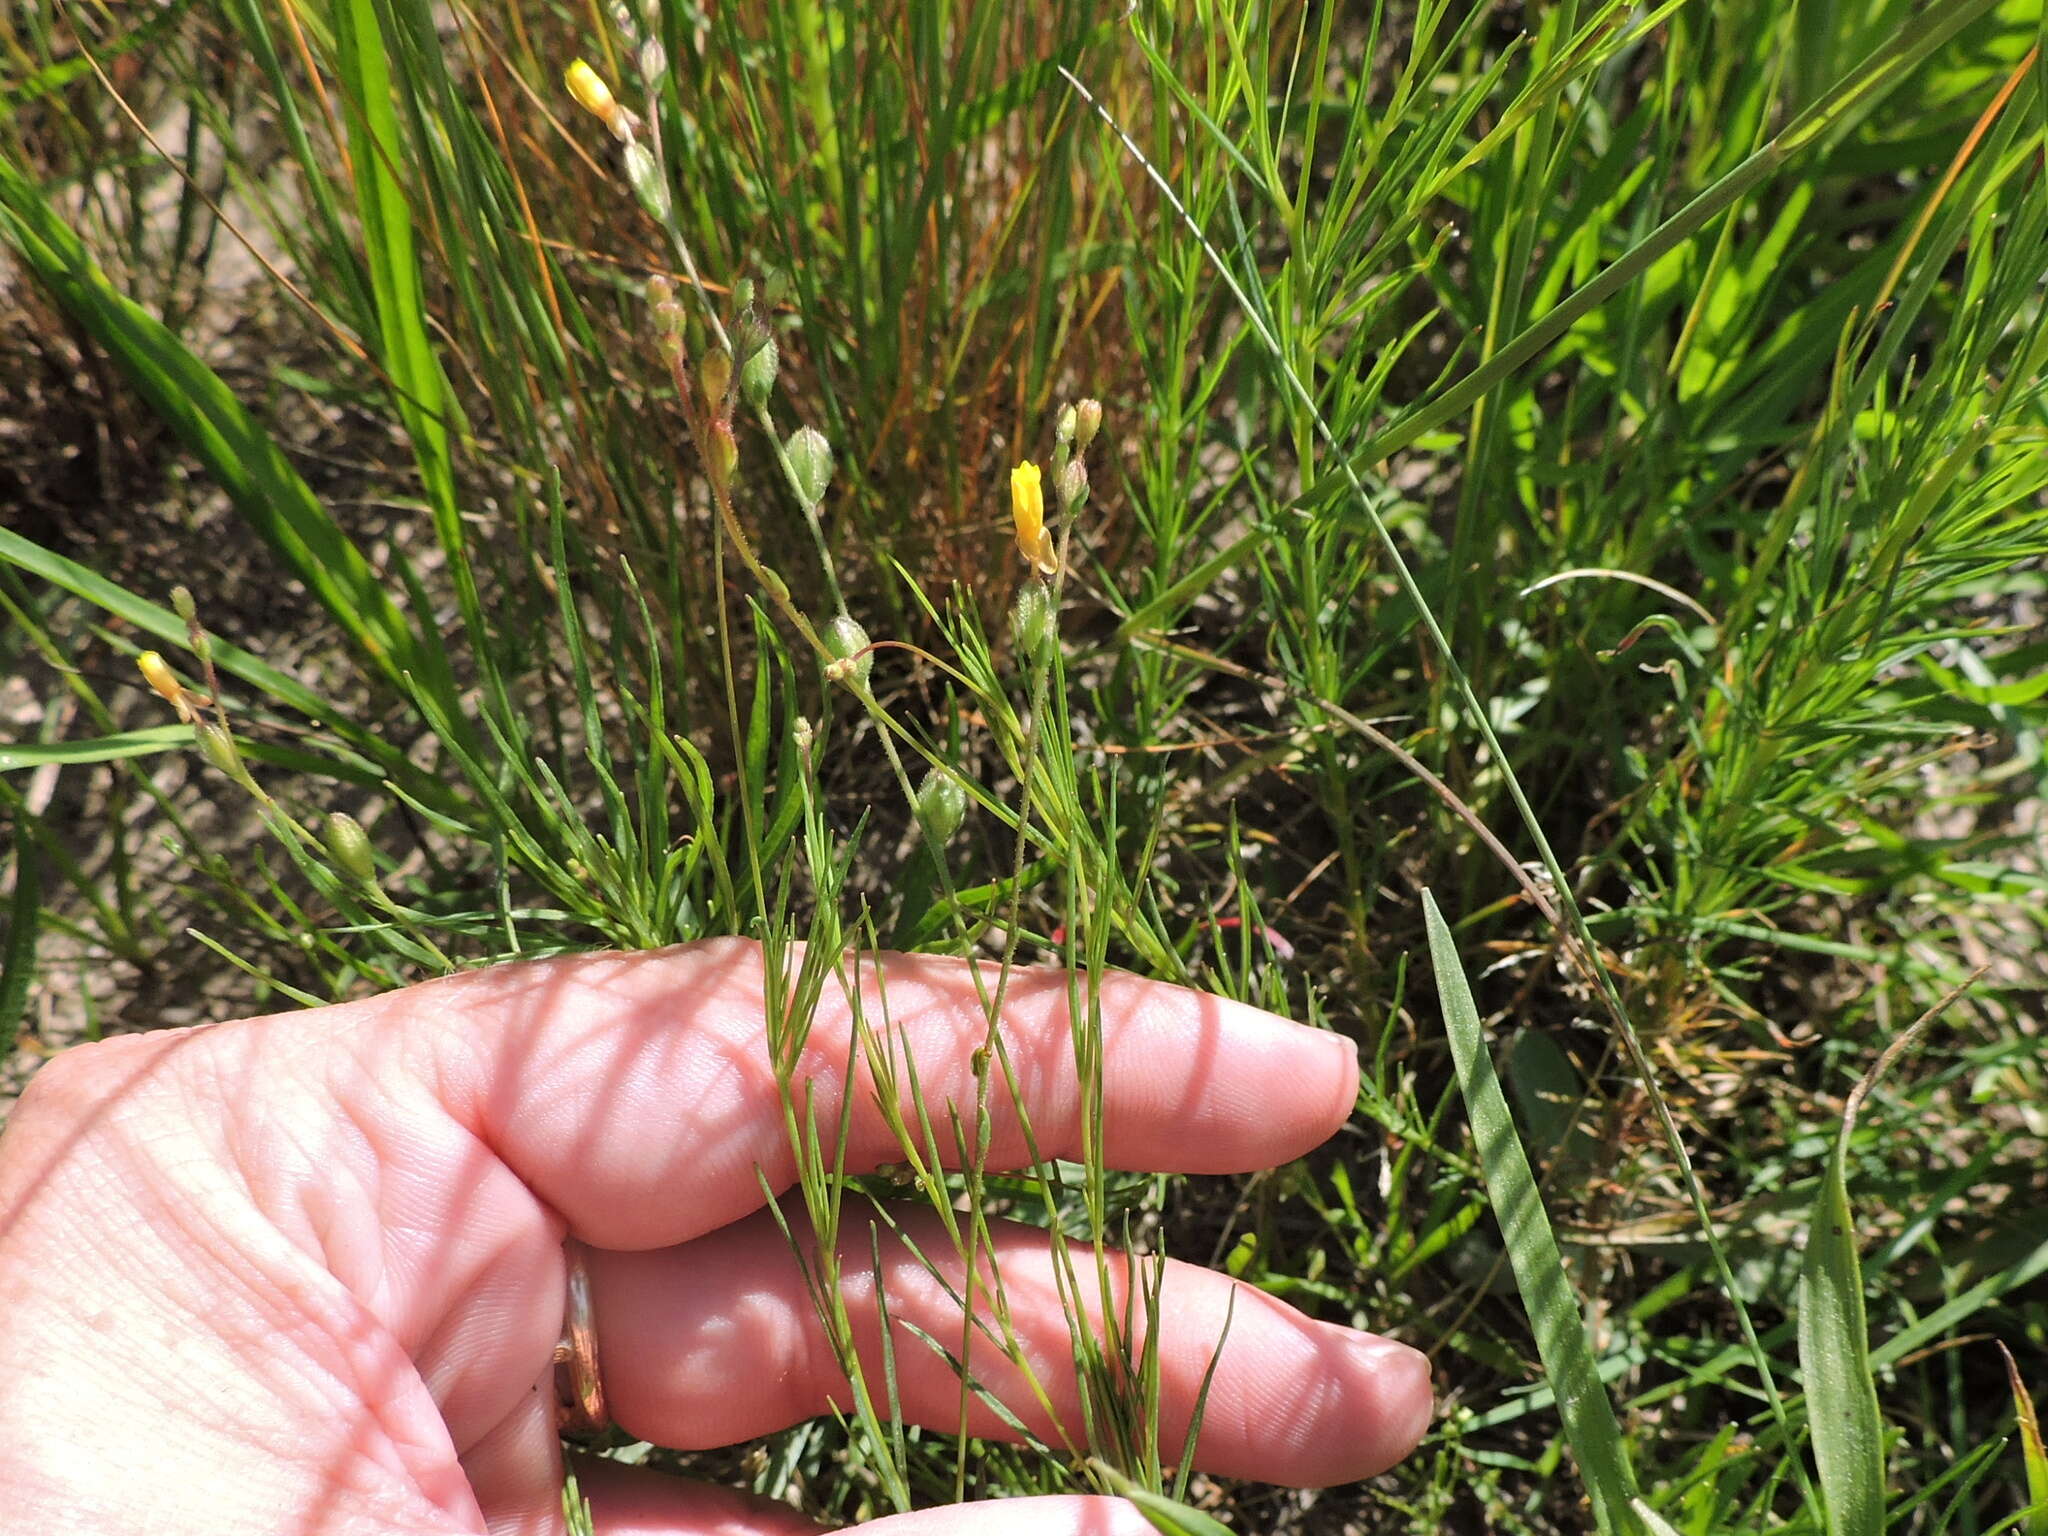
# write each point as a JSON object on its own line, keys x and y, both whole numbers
{"x": 637, "y": 1096}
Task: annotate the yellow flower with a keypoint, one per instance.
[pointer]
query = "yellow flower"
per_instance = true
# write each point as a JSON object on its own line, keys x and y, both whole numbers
{"x": 591, "y": 93}
{"x": 1027, "y": 507}
{"x": 157, "y": 673}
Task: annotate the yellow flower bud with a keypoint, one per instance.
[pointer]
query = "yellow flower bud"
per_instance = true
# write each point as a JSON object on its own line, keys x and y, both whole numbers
{"x": 157, "y": 673}
{"x": 591, "y": 93}
{"x": 1027, "y": 507}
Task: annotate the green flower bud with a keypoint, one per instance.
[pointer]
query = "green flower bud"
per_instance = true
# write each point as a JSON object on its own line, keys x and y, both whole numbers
{"x": 644, "y": 175}
{"x": 1073, "y": 486}
{"x": 1032, "y": 623}
{"x": 743, "y": 294}
{"x": 757, "y": 373}
{"x": 218, "y": 748}
{"x": 725, "y": 451}
{"x": 941, "y": 805}
{"x": 349, "y": 846}
{"x": 810, "y": 455}
{"x": 1087, "y": 422}
{"x": 714, "y": 375}
{"x": 851, "y": 658}
{"x": 1063, "y": 429}
{"x": 202, "y": 645}
{"x": 660, "y": 291}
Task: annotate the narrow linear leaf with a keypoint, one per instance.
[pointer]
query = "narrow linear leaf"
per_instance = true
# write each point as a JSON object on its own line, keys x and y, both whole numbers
{"x": 96, "y": 749}
{"x": 24, "y": 922}
{"x": 1562, "y": 1338}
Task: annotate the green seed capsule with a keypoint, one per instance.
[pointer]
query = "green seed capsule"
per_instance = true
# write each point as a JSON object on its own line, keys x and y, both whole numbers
{"x": 1032, "y": 627}
{"x": 218, "y": 748}
{"x": 349, "y": 846}
{"x": 941, "y": 805}
{"x": 1073, "y": 486}
{"x": 851, "y": 658}
{"x": 757, "y": 374}
{"x": 810, "y": 455}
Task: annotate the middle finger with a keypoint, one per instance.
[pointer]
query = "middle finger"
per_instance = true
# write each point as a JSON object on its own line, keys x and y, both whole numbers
{"x": 717, "y": 1340}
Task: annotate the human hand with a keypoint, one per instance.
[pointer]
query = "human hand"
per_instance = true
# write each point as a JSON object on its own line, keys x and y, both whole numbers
{"x": 305, "y": 1274}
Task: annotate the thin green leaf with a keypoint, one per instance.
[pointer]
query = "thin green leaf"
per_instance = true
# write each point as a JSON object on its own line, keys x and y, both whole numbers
{"x": 97, "y": 749}
{"x": 1161, "y": 1513}
{"x": 24, "y": 922}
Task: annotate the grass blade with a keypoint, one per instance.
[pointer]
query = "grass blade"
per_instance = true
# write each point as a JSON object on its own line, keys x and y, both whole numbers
{"x": 1834, "y": 1351}
{"x": 98, "y": 749}
{"x": 1165, "y": 1515}
{"x": 1561, "y": 1336}
{"x": 1834, "y": 1334}
{"x": 2031, "y": 1448}
{"x": 243, "y": 459}
{"x": 18, "y": 949}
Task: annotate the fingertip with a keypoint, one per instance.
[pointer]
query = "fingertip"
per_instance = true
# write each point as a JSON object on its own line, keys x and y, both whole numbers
{"x": 1391, "y": 1384}
{"x": 1338, "y": 1072}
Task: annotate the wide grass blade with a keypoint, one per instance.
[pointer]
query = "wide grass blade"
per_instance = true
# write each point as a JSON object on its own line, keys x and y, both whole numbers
{"x": 2031, "y": 1449}
{"x": 191, "y": 399}
{"x": 1834, "y": 1335}
{"x": 1562, "y": 1338}
{"x": 1834, "y": 1350}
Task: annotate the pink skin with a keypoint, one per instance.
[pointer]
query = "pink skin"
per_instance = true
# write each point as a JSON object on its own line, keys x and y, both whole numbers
{"x": 305, "y": 1274}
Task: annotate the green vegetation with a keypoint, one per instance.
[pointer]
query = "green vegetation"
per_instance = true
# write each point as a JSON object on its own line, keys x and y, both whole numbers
{"x": 1585, "y": 460}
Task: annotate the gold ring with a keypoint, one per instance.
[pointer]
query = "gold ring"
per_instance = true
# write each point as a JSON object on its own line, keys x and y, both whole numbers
{"x": 579, "y": 1388}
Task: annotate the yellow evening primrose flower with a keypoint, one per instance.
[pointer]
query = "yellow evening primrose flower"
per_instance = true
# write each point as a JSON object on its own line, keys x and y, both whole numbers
{"x": 1027, "y": 507}
{"x": 157, "y": 673}
{"x": 591, "y": 93}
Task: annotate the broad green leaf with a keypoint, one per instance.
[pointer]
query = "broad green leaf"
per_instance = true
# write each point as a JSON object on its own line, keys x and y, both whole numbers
{"x": 1834, "y": 1337}
{"x": 1554, "y": 1316}
{"x": 2032, "y": 1450}
{"x": 191, "y": 399}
